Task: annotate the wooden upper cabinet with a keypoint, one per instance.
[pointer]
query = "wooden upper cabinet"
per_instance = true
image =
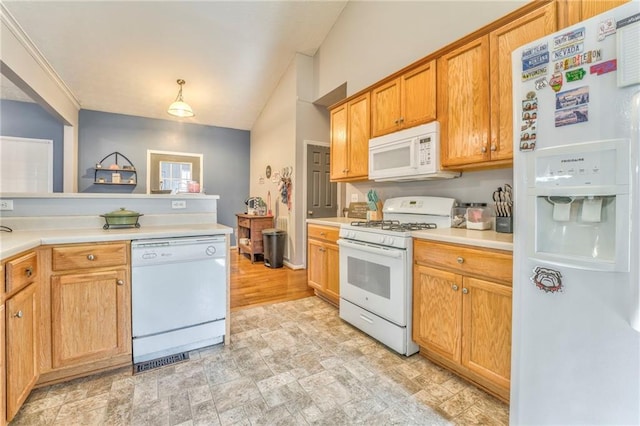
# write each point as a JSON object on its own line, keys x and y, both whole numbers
{"x": 350, "y": 140}
{"x": 579, "y": 10}
{"x": 502, "y": 42}
{"x": 406, "y": 101}
{"x": 338, "y": 142}
{"x": 475, "y": 106}
{"x": 463, "y": 104}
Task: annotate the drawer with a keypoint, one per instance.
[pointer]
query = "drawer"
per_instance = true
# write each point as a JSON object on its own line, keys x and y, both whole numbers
{"x": 21, "y": 271}
{"x": 326, "y": 233}
{"x": 244, "y": 222}
{"x": 488, "y": 263}
{"x": 88, "y": 256}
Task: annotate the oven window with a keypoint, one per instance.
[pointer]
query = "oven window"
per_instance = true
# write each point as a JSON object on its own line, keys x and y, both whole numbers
{"x": 369, "y": 276}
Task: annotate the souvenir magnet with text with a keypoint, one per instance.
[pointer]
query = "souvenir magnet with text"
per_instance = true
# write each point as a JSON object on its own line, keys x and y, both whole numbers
{"x": 606, "y": 28}
{"x": 556, "y": 82}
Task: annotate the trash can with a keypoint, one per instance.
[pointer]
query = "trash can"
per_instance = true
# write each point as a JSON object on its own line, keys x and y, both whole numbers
{"x": 273, "y": 241}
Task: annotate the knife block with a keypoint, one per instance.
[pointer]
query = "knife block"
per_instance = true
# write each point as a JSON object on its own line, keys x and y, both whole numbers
{"x": 504, "y": 224}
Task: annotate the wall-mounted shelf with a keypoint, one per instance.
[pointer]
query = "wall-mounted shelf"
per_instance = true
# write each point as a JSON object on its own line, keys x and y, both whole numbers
{"x": 104, "y": 171}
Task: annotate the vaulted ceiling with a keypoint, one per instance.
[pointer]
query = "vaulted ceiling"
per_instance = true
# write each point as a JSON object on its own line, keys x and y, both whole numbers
{"x": 125, "y": 56}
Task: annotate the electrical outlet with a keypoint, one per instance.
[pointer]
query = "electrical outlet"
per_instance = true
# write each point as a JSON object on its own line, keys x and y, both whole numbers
{"x": 6, "y": 204}
{"x": 354, "y": 198}
{"x": 179, "y": 204}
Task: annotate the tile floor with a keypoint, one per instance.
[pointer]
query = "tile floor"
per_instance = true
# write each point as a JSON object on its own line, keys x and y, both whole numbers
{"x": 291, "y": 363}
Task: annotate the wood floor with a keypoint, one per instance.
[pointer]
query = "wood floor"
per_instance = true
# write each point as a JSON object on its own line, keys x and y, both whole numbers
{"x": 255, "y": 284}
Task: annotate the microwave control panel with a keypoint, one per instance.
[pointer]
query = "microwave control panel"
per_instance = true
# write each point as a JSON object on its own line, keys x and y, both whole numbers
{"x": 425, "y": 150}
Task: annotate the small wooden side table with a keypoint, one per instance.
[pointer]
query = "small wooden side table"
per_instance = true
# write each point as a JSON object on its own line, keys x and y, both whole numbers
{"x": 250, "y": 227}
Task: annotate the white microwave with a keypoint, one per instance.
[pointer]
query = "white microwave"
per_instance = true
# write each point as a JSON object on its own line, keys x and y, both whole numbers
{"x": 410, "y": 154}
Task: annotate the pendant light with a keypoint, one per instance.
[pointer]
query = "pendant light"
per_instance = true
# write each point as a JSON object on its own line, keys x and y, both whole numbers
{"x": 180, "y": 108}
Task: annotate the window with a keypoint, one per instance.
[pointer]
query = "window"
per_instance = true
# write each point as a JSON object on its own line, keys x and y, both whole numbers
{"x": 175, "y": 175}
{"x": 169, "y": 171}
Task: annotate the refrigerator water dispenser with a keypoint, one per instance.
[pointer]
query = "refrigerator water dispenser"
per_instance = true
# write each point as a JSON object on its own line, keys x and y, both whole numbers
{"x": 579, "y": 195}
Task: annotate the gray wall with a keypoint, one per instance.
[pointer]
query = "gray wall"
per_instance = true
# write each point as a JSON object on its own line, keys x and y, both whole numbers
{"x": 225, "y": 154}
{"x": 30, "y": 120}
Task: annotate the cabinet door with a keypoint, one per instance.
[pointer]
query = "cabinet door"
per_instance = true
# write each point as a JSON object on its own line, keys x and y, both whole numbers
{"x": 333, "y": 270}
{"x": 579, "y": 10}
{"x": 502, "y": 42}
{"x": 419, "y": 95}
{"x": 385, "y": 108}
{"x": 22, "y": 349}
{"x": 486, "y": 344}
{"x": 464, "y": 104}
{"x": 358, "y": 139}
{"x": 339, "y": 142}
{"x": 437, "y": 310}
{"x": 3, "y": 399}
{"x": 90, "y": 317}
{"x": 316, "y": 264}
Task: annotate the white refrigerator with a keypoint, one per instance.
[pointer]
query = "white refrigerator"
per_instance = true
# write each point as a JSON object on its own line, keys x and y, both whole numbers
{"x": 576, "y": 324}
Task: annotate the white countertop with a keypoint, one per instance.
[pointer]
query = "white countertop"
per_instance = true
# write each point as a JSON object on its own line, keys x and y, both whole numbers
{"x": 470, "y": 237}
{"x": 333, "y": 221}
{"x": 12, "y": 243}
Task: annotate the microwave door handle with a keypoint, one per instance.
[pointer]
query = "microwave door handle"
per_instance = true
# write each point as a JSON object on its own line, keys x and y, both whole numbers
{"x": 414, "y": 153}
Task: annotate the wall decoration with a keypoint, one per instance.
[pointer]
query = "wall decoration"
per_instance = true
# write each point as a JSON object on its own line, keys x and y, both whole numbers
{"x": 547, "y": 280}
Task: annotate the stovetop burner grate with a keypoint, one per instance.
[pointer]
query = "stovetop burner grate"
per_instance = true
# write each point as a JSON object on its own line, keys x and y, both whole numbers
{"x": 415, "y": 226}
{"x": 375, "y": 223}
{"x": 394, "y": 225}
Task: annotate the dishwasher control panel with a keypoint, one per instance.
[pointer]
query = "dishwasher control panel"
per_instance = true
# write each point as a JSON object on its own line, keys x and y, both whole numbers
{"x": 148, "y": 252}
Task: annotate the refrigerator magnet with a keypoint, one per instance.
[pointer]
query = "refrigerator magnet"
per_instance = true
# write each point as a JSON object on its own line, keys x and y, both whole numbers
{"x": 556, "y": 81}
{"x": 547, "y": 280}
{"x": 529, "y": 120}
{"x": 606, "y": 28}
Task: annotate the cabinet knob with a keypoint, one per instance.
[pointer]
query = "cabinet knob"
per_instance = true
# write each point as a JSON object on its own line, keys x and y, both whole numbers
{"x": 310, "y": 212}
{"x": 323, "y": 234}
{"x": 402, "y": 119}
{"x": 28, "y": 271}
{"x": 91, "y": 257}
{"x": 396, "y": 122}
{"x": 460, "y": 260}
{"x": 454, "y": 287}
{"x": 493, "y": 147}
{"x": 484, "y": 149}
{"x": 120, "y": 282}
{"x": 465, "y": 290}
{"x": 18, "y": 314}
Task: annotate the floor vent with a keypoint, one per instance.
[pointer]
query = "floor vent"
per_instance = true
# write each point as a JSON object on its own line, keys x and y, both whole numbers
{"x": 160, "y": 362}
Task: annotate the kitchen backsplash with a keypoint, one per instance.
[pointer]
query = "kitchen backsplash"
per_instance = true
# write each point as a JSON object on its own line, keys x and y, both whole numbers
{"x": 471, "y": 187}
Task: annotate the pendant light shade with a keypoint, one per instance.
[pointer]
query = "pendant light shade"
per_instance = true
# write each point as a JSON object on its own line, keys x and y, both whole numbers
{"x": 179, "y": 107}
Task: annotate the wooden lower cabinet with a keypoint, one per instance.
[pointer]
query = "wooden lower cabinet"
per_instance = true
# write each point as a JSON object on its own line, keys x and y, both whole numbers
{"x": 86, "y": 326}
{"x": 21, "y": 347}
{"x": 90, "y": 318}
{"x": 323, "y": 272}
{"x": 3, "y": 383}
{"x": 463, "y": 321}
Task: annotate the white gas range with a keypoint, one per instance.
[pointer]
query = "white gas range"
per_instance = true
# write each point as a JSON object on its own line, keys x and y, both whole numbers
{"x": 376, "y": 268}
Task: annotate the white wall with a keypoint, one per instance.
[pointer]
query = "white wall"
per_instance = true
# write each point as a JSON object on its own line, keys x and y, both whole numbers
{"x": 372, "y": 40}
{"x": 273, "y": 138}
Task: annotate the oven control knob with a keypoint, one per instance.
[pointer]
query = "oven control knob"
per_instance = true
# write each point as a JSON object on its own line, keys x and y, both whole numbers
{"x": 390, "y": 241}
{"x": 383, "y": 239}
{"x": 352, "y": 234}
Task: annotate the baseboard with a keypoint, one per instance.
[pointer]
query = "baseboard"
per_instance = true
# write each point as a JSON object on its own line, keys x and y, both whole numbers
{"x": 291, "y": 265}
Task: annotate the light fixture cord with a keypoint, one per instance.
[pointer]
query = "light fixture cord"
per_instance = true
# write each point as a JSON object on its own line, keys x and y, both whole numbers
{"x": 179, "y": 97}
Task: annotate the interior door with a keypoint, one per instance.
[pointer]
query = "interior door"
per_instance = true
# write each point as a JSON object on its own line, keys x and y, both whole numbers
{"x": 322, "y": 199}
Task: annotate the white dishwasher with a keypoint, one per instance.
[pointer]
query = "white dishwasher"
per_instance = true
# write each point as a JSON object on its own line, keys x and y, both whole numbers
{"x": 179, "y": 295}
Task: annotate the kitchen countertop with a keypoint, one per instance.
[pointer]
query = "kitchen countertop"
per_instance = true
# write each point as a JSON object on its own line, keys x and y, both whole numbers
{"x": 487, "y": 239}
{"x": 333, "y": 221}
{"x": 12, "y": 243}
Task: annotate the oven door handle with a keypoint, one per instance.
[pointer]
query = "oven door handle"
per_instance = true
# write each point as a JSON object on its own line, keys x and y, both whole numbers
{"x": 382, "y": 251}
